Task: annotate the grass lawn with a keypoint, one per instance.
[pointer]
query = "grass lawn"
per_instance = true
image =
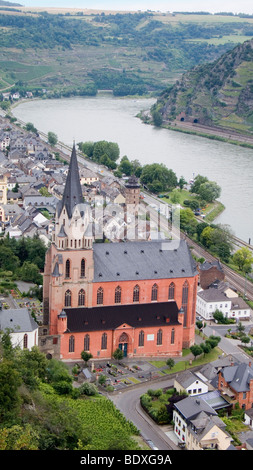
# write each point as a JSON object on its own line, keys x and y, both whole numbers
{"x": 186, "y": 364}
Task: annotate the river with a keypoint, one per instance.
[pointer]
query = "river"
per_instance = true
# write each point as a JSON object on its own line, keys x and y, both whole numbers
{"x": 105, "y": 117}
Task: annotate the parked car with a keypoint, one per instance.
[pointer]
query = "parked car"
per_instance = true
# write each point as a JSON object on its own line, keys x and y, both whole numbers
{"x": 151, "y": 444}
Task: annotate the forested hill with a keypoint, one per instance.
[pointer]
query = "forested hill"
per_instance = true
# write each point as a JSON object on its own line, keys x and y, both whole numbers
{"x": 214, "y": 94}
{"x": 78, "y": 52}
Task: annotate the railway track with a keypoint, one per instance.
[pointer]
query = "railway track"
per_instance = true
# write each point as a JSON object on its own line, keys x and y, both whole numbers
{"x": 236, "y": 280}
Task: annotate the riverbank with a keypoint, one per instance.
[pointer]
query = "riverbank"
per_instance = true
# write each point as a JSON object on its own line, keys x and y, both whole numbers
{"x": 212, "y": 133}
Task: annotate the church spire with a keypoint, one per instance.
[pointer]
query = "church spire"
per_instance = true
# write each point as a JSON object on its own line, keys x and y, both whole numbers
{"x": 73, "y": 192}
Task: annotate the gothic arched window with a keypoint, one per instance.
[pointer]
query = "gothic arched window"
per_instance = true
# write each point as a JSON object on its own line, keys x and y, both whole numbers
{"x": 185, "y": 292}
{"x": 141, "y": 338}
{"x": 159, "y": 338}
{"x": 67, "y": 269}
{"x": 136, "y": 294}
{"x": 104, "y": 341}
{"x": 172, "y": 338}
{"x": 72, "y": 344}
{"x": 86, "y": 345}
{"x": 118, "y": 295}
{"x": 67, "y": 302}
{"x": 171, "y": 291}
{"x": 100, "y": 296}
{"x": 154, "y": 292}
{"x": 82, "y": 268}
{"x": 81, "y": 297}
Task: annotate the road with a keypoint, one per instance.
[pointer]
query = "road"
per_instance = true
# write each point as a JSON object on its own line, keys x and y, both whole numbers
{"x": 128, "y": 402}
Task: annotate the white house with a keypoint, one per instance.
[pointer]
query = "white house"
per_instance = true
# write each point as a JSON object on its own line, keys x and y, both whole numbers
{"x": 189, "y": 382}
{"x": 227, "y": 302}
{"x": 212, "y": 299}
{"x": 21, "y": 325}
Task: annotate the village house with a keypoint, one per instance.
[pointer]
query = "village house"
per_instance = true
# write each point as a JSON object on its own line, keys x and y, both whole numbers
{"x": 198, "y": 427}
{"x": 88, "y": 177}
{"x": 210, "y": 272}
{"x": 190, "y": 383}
{"x": 219, "y": 296}
{"x": 235, "y": 382}
{"x": 23, "y": 328}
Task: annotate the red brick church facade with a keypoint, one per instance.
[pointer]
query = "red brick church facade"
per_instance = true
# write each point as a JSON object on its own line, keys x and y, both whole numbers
{"x": 139, "y": 296}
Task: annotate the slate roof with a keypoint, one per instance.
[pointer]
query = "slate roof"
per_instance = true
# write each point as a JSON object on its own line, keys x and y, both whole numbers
{"x": 208, "y": 265}
{"x": 73, "y": 192}
{"x": 111, "y": 317}
{"x": 138, "y": 260}
{"x": 191, "y": 407}
{"x": 213, "y": 295}
{"x": 187, "y": 378}
{"x": 18, "y": 320}
{"x": 238, "y": 377}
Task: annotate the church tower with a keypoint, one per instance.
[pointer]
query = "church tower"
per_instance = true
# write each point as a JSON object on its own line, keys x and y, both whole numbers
{"x": 69, "y": 266}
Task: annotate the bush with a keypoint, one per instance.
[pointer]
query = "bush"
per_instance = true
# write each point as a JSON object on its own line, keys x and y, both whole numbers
{"x": 88, "y": 389}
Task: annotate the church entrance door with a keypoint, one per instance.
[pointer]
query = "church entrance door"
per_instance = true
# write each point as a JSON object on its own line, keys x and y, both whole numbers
{"x": 123, "y": 347}
{"x": 123, "y": 343}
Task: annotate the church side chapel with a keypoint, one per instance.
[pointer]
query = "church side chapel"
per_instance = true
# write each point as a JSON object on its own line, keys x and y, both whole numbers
{"x": 139, "y": 296}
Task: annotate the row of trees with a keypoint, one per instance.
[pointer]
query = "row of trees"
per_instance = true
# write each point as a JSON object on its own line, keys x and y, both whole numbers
{"x": 205, "y": 347}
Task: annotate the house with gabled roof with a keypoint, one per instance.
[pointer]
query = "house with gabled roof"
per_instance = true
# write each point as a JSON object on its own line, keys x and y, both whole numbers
{"x": 198, "y": 427}
{"x": 189, "y": 382}
{"x": 21, "y": 325}
{"x": 235, "y": 382}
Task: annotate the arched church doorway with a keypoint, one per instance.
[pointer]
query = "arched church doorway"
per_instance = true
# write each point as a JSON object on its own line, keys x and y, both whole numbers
{"x": 123, "y": 343}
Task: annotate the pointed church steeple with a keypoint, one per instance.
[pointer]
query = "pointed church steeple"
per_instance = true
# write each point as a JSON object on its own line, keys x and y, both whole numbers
{"x": 73, "y": 192}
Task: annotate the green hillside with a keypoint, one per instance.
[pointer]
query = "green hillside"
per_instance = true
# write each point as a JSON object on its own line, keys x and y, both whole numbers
{"x": 78, "y": 52}
{"x": 216, "y": 94}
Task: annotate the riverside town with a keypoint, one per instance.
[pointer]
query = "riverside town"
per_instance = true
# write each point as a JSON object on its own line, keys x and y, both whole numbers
{"x": 126, "y": 295}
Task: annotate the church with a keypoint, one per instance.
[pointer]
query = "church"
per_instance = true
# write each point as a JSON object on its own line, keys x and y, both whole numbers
{"x": 139, "y": 296}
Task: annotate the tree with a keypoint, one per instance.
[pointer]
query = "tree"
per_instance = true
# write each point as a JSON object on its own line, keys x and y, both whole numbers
{"x": 206, "y": 347}
{"x": 52, "y": 138}
{"x": 243, "y": 259}
{"x": 10, "y": 381}
{"x": 118, "y": 354}
{"x": 158, "y": 172}
{"x": 170, "y": 363}
{"x": 181, "y": 182}
{"x": 219, "y": 317}
{"x": 15, "y": 189}
{"x": 157, "y": 118}
{"x": 102, "y": 379}
{"x": 8, "y": 261}
{"x": 206, "y": 236}
{"x": 29, "y": 272}
{"x": 188, "y": 221}
{"x": 86, "y": 356}
{"x": 125, "y": 166}
{"x": 196, "y": 350}
{"x": 198, "y": 180}
{"x": 30, "y": 127}
{"x": 209, "y": 191}
{"x": 44, "y": 191}
{"x": 245, "y": 339}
